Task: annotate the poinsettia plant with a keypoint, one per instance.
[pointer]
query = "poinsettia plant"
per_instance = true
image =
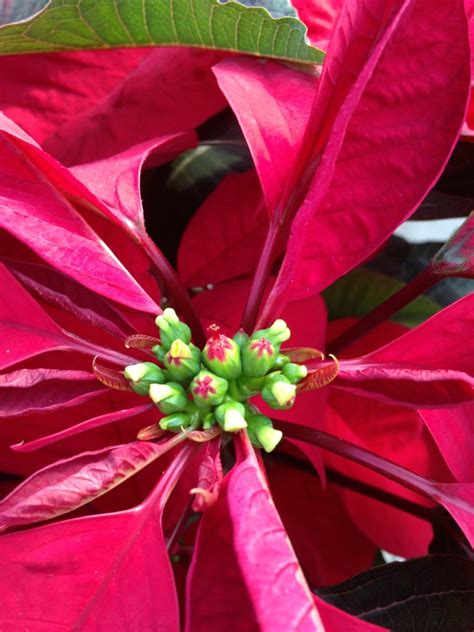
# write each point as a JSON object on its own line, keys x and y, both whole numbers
{"x": 210, "y": 417}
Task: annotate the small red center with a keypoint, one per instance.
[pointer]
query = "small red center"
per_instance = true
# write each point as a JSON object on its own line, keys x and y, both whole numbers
{"x": 217, "y": 347}
{"x": 204, "y": 387}
{"x": 262, "y": 346}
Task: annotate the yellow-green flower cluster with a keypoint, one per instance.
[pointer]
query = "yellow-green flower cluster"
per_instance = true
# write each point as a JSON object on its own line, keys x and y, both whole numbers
{"x": 196, "y": 389}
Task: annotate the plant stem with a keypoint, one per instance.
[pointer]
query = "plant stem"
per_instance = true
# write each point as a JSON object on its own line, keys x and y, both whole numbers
{"x": 174, "y": 287}
{"x": 422, "y": 282}
{"x": 415, "y": 482}
{"x": 171, "y": 475}
{"x": 86, "y": 347}
{"x": 358, "y": 486}
{"x": 260, "y": 279}
{"x": 180, "y": 526}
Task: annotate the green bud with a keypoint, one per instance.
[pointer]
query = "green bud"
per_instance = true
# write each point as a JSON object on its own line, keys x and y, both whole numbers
{"x": 279, "y": 393}
{"x": 175, "y": 422}
{"x": 222, "y": 355}
{"x": 262, "y": 432}
{"x": 182, "y": 361}
{"x": 258, "y": 356}
{"x": 208, "y": 389}
{"x": 171, "y": 328}
{"x": 294, "y": 372}
{"x": 277, "y": 333}
{"x": 159, "y": 352}
{"x": 241, "y": 337}
{"x": 281, "y": 360}
{"x": 142, "y": 375}
{"x": 231, "y": 416}
{"x": 169, "y": 398}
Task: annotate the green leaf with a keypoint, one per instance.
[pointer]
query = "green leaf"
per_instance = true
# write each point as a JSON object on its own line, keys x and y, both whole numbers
{"x": 198, "y": 171}
{"x": 360, "y": 291}
{"x": 80, "y": 24}
{"x": 429, "y": 593}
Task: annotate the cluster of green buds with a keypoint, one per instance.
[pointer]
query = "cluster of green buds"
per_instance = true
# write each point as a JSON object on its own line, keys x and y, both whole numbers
{"x": 196, "y": 389}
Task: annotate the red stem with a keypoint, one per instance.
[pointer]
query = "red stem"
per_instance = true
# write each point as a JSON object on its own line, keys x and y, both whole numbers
{"x": 180, "y": 527}
{"x": 260, "y": 279}
{"x": 358, "y": 486}
{"x": 89, "y": 348}
{"x": 175, "y": 288}
{"x": 171, "y": 476}
{"x": 422, "y": 282}
{"x": 350, "y": 451}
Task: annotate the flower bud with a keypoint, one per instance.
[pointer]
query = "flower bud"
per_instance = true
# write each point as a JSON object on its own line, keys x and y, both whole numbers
{"x": 262, "y": 433}
{"x": 169, "y": 398}
{"x": 182, "y": 361}
{"x": 258, "y": 357}
{"x": 294, "y": 372}
{"x": 175, "y": 422}
{"x": 142, "y": 375}
{"x": 208, "y": 389}
{"x": 279, "y": 393}
{"x": 241, "y": 337}
{"x": 277, "y": 333}
{"x": 280, "y": 361}
{"x": 159, "y": 352}
{"x": 231, "y": 416}
{"x": 172, "y": 328}
{"x": 222, "y": 355}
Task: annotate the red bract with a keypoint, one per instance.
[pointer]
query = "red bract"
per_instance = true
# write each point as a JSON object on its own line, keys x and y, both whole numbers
{"x": 395, "y": 431}
{"x": 84, "y": 106}
{"x": 349, "y": 184}
{"x": 244, "y": 535}
{"x": 105, "y": 559}
{"x": 342, "y": 160}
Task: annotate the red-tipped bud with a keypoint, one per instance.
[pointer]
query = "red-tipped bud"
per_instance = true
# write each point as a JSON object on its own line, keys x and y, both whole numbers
{"x": 222, "y": 355}
{"x": 258, "y": 357}
{"x": 208, "y": 389}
